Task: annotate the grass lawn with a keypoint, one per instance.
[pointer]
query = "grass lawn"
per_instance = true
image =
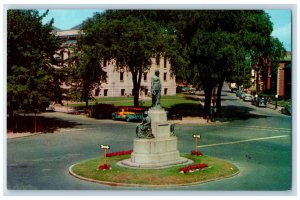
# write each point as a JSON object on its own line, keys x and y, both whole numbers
{"x": 166, "y": 101}
{"x": 159, "y": 177}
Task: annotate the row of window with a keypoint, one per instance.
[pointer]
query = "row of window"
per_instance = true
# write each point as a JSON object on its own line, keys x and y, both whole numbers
{"x": 146, "y": 91}
{"x": 145, "y": 76}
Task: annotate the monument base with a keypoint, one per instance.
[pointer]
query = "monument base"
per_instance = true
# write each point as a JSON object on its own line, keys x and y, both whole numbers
{"x": 180, "y": 161}
{"x": 154, "y": 153}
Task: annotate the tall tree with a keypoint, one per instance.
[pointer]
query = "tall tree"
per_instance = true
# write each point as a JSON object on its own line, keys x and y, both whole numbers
{"x": 30, "y": 56}
{"x": 127, "y": 37}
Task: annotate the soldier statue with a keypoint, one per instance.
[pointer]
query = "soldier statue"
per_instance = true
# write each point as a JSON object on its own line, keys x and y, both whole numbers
{"x": 156, "y": 90}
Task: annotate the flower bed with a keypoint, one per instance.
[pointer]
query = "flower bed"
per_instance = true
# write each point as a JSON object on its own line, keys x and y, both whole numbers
{"x": 196, "y": 153}
{"x": 104, "y": 167}
{"x": 119, "y": 153}
{"x": 192, "y": 168}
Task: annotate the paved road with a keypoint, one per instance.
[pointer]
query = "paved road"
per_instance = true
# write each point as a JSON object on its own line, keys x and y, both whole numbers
{"x": 257, "y": 140}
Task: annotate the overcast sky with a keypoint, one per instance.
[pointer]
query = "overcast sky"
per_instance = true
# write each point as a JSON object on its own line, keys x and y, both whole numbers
{"x": 67, "y": 18}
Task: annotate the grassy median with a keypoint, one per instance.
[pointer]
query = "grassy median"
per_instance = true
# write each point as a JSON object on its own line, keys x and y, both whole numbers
{"x": 217, "y": 169}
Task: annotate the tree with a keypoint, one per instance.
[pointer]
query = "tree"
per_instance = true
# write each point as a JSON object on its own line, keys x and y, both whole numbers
{"x": 30, "y": 56}
{"x": 219, "y": 43}
{"x": 127, "y": 37}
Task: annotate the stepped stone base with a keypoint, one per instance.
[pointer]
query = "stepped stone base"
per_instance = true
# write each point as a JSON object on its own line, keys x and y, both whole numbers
{"x": 158, "y": 152}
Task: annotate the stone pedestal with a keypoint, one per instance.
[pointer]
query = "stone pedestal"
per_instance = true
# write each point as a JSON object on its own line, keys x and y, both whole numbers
{"x": 160, "y": 151}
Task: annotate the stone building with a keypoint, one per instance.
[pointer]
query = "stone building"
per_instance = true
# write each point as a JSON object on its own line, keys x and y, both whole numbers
{"x": 119, "y": 80}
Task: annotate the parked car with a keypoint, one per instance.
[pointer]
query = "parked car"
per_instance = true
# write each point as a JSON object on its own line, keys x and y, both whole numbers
{"x": 259, "y": 101}
{"x": 287, "y": 109}
{"x": 248, "y": 97}
{"x": 238, "y": 93}
{"x": 233, "y": 90}
{"x": 129, "y": 113}
{"x": 242, "y": 94}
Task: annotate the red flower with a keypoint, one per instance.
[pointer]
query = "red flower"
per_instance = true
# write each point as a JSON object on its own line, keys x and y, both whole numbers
{"x": 196, "y": 153}
{"x": 104, "y": 167}
{"x": 193, "y": 167}
{"x": 119, "y": 153}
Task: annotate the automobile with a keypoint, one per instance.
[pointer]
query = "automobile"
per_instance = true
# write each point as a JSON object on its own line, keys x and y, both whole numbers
{"x": 50, "y": 109}
{"x": 233, "y": 90}
{"x": 128, "y": 113}
{"x": 248, "y": 97}
{"x": 259, "y": 101}
{"x": 238, "y": 93}
{"x": 242, "y": 94}
{"x": 287, "y": 109}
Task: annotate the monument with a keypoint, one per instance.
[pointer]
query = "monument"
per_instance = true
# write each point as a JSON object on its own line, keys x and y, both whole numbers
{"x": 156, "y": 143}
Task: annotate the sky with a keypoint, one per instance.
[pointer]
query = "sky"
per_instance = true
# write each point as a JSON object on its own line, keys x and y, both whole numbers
{"x": 67, "y": 18}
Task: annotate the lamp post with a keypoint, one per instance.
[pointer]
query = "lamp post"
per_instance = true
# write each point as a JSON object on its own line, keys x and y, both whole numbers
{"x": 215, "y": 78}
{"x": 276, "y": 99}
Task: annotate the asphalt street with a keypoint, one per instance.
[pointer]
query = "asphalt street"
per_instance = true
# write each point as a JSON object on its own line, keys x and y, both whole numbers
{"x": 257, "y": 140}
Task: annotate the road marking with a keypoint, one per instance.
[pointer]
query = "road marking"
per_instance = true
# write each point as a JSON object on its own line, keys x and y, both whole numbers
{"x": 262, "y": 128}
{"x": 241, "y": 141}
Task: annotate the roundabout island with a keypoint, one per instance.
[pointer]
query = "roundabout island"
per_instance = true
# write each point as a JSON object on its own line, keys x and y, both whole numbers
{"x": 203, "y": 169}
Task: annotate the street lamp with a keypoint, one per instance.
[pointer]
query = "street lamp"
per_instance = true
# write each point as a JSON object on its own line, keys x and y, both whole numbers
{"x": 276, "y": 99}
{"x": 215, "y": 78}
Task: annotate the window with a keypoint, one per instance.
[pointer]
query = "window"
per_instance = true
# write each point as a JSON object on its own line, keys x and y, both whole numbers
{"x": 97, "y": 91}
{"x": 121, "y": 76}
{"x": 105, "y": 92}
{"x": 165, "y": 62}
{"x": 122, "y": 92}
{"x": 165, "y": 76}
{"x": 146, "y": 92}
{"x": 145, "y": 76}
{"x": 165, "y": 91}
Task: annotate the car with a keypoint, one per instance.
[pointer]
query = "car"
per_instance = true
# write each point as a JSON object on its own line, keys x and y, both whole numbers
{"x": 238, "y": 93}
{"x": 128, "y": 113}
{"x": 242, "y": 94}
{"x": 248, "y": 97}
{"x": 259, "y": 101}
{"x": 287, "y": 109}
{"x": 233, "y": 90}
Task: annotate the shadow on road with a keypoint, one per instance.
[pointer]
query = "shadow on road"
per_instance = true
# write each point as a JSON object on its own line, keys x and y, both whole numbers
{"x": 22, "y": 124}
{"x": 231, "y": 113}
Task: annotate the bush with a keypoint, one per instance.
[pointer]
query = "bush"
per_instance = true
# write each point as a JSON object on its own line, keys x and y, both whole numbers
{"x": 101, "y": 111}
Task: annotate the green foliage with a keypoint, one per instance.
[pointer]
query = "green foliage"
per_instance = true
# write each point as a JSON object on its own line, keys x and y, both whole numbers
{"x": 30, "y": 49}
{"x": 127, "y": 37}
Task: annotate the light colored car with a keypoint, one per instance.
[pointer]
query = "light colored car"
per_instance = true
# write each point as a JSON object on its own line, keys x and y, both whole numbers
{"x": 247, "y": 97}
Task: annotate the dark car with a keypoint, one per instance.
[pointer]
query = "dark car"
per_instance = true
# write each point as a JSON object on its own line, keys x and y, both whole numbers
{"x": 287, "y": 109}
{"x": 259, "y": 101}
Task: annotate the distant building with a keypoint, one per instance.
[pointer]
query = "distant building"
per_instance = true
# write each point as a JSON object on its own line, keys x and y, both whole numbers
{"x": 284, "y": 78}
{"x": 280, "y": 83}
{"x": 119, "y": 80}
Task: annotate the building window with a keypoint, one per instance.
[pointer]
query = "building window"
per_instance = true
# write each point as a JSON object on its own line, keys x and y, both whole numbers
{"x": 165, "y": 91}
{"x": 145, "y": 76}
{"x": 105, "y": 92}
{"x": 121, "y": 76}
{"x": 122, "y": 92}
{"x": 146, "y": 92}
{"x": 165, "y": 76}
{"x": 165, "y": 62}
{"x": 97, "y": 91}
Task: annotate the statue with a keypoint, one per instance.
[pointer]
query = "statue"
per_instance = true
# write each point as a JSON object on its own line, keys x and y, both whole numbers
{"x": 143, "y": 130}
{"x": 155, "y": 90}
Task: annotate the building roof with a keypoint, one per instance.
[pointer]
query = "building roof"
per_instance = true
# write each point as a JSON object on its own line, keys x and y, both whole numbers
{"x": 67, "y": 33}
